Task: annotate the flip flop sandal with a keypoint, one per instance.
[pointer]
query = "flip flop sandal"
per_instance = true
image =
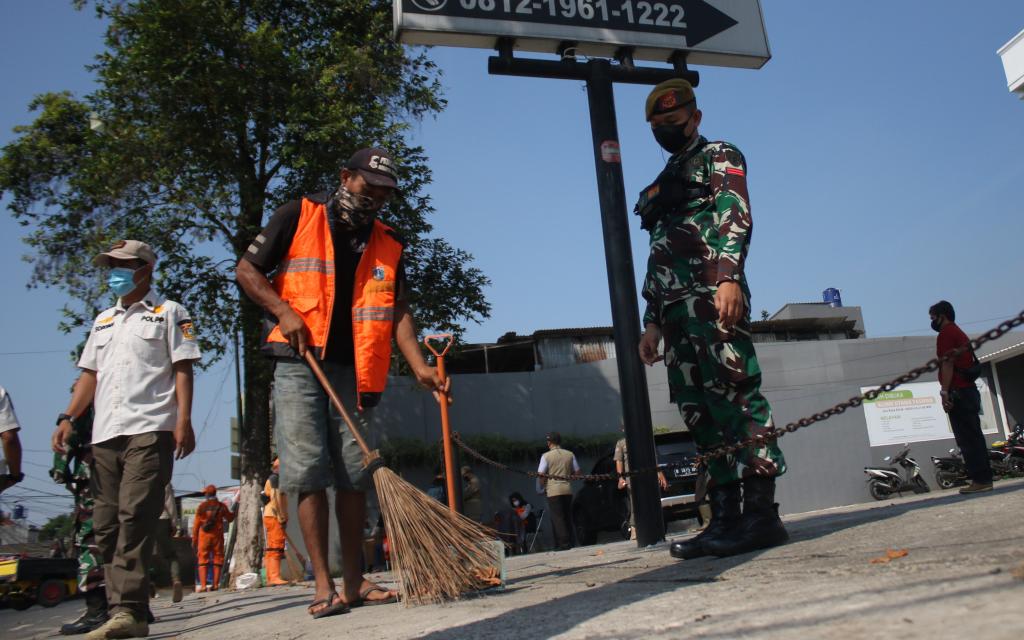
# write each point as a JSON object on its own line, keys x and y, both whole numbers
{"x": 337, "y": 608}
{"x": 364, "y": 602}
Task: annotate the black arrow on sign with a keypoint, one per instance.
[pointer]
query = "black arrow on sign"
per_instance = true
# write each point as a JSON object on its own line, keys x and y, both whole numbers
{"x": 704, "y": 21}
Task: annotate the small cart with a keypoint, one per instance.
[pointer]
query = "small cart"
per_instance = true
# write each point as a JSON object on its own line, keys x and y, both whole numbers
{"x": 26, "y": 581}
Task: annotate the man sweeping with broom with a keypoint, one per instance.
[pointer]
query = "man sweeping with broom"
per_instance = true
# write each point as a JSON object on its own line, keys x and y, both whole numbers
{"x": 331, "y": 279}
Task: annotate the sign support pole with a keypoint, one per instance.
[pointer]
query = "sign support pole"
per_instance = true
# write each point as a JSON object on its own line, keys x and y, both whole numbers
{"x": 599, "y": 75}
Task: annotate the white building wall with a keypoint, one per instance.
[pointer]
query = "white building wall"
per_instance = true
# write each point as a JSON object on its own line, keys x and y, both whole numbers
{"x": 1012, "y": 54}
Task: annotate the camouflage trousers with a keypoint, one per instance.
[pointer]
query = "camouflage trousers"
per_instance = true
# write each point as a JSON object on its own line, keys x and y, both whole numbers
{"x": 90, "y": 566}
{"x": 715, "y": 381}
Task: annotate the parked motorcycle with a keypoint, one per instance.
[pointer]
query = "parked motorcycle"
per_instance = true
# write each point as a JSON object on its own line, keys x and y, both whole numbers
{"x": 1007, "y": 456}
{"x": 885, "y": 481}
{"x": 950, "y": 471}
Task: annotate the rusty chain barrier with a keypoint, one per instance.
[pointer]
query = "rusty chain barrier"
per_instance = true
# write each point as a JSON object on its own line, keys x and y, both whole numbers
{"x": 775, "y": 432}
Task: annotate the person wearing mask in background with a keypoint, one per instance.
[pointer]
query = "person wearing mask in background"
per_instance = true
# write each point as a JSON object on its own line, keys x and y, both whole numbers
{"x": 526, "y": 519}
{"x": 562, "y": 463}
{"x": 208, "y": 537}
{"x": 961, "y": 399}
{"x": 137, "y": 374}
{"x": 275, "y": 519}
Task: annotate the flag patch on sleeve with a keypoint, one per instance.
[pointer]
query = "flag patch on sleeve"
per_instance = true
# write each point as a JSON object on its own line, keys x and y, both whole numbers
{"x": 187, "y": 329}
{"x": 733, "y": 171}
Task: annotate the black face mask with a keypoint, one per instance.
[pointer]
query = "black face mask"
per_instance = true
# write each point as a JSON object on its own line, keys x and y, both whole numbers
{"x": 672, "y": 137}
{"x": 937, "y": 325}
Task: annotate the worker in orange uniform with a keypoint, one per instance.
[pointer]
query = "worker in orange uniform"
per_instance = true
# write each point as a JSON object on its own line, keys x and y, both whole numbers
{"x": 275, "y": 519}
{"x": 208, "y": 536}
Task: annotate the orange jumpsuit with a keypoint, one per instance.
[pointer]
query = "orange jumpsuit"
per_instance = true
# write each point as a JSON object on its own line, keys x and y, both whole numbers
{"x": 208, "y": 536}
{"x": 275, "y": 516}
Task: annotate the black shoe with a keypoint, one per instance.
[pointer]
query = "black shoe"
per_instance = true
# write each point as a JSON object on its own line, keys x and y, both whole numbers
{"x": 760, "y": 526}
{"x": 725, "y": 516}
{"x": 85, "y": 624}
{"x": 150, "y": 618}
{"x": 95, "y": 615}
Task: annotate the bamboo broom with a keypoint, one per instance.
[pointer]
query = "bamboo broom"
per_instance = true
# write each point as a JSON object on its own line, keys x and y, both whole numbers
{"x": 437, "y": 555}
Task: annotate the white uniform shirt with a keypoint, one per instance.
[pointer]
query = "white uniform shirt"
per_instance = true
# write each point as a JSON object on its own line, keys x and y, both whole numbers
{"x": 8, "y": 421}
{"x": 132, "y": 351}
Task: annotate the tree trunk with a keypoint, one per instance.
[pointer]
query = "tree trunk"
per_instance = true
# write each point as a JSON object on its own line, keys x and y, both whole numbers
{"x": 255, "y": 441}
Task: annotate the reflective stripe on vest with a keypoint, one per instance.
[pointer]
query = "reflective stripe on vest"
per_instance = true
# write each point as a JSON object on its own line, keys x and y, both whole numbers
{"x": 305, "y": 280}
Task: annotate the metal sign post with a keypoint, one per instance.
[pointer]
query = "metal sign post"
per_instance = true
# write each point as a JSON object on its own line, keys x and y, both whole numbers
{"x": 722, "y": 32}
{"x": 599, "y": 75}
{"x": 636, "y": 406}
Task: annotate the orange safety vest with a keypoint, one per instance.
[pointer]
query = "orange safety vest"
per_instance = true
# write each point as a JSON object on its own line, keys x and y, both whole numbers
{"x": 305, "y": 280}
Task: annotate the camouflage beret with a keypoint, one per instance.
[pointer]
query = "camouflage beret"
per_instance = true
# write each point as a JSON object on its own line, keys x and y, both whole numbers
{"x": 669, "y": 96}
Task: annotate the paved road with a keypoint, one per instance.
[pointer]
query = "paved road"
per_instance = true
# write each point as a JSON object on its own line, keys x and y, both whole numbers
{"x": 963, "y": 576}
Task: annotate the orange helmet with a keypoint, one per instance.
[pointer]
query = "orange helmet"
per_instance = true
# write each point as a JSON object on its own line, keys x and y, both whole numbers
{"x": 210, "y": 490}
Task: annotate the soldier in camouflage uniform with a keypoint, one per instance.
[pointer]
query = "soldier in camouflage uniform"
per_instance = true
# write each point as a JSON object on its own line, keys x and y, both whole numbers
{"x": 698, "y": 215}
{"x": 72, "y": 469}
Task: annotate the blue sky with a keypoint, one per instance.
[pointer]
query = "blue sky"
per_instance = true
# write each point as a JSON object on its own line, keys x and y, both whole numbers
{"x": 883, "y": 154}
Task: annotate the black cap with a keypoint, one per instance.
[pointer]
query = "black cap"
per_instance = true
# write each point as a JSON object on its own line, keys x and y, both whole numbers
{"x": 375, "y": 165}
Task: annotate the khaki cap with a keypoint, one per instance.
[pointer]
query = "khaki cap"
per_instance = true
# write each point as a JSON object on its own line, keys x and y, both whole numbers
{"x": 126, "y": 250}
{"x": 669, "y": 96}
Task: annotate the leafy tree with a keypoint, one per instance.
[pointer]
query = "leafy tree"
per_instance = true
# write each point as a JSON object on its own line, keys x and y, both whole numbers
{"x": 57, "y": 527}
{"x": 208, "y": 115}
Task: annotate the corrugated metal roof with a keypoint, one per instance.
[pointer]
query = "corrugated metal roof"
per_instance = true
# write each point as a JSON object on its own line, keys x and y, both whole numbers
{"x": 1004, "y": 353}
{"x": 572, "y": 332}
{"x": 561, "y": 351}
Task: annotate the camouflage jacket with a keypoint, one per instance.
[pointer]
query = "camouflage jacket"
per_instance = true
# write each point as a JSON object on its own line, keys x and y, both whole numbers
{"x": 698, "y": 214}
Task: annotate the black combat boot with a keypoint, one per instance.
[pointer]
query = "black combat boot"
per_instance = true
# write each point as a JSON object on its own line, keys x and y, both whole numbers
{"x": 725, "y": 516}
{"x": 760, "y": 526}
{"x": 95, "y": 615}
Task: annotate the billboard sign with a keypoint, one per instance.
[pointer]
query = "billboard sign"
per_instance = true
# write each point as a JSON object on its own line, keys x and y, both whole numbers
{"x": 913, "y": 413}
{"x": 727, "y": 33}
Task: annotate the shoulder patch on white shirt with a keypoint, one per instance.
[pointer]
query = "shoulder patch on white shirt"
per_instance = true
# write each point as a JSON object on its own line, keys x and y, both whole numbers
{"x": 187, "y": 329}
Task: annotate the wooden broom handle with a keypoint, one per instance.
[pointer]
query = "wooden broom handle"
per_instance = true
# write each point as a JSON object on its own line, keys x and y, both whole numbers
{"x": 325, "y": 383}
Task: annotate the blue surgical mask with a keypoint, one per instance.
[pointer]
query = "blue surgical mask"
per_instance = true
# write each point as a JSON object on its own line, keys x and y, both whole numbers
{"x": 121, "y": 281}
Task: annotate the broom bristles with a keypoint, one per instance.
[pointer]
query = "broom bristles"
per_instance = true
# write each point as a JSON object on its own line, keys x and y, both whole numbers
{"x": 437, "y": 555}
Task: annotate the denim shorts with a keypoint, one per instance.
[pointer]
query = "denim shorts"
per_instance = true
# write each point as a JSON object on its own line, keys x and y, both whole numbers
{"x": 316, "y": 448}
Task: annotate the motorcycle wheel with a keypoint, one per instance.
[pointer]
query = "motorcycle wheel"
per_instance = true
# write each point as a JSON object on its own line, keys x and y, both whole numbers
{"x": 879, "y": 490}
{"x": 1016, "y": 467}
{"x": 945, "y": 480}
{"x": 920, "y": 486}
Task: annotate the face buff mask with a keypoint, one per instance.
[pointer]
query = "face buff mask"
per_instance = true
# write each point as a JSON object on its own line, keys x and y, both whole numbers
{"x": 352, "y": 210}
{"x": 672, "y": 137}
{"x": 121, "y": 281}
{"x": 936, "y": 326}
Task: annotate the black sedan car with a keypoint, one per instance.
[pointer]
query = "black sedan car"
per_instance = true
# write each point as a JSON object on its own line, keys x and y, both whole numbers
{"x": 601, "y": 506}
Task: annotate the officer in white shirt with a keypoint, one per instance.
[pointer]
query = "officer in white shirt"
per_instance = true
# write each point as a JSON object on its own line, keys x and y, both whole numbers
{"x": 10, "y": 466}
{"x": 137, "y": 372}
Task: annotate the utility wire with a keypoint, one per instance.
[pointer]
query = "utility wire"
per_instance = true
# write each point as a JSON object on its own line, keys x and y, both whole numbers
{"x": 30, "y": 353}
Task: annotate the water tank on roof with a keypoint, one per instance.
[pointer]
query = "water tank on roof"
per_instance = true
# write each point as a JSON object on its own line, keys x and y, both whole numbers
{"x": 831, "y": 296}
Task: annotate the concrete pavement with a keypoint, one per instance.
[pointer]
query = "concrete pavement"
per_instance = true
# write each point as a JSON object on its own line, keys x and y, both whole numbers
{"x": 963, "y": 575}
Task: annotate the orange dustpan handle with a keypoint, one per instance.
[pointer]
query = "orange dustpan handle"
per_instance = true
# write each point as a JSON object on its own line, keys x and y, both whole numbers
{"x": 450, "y": 472}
